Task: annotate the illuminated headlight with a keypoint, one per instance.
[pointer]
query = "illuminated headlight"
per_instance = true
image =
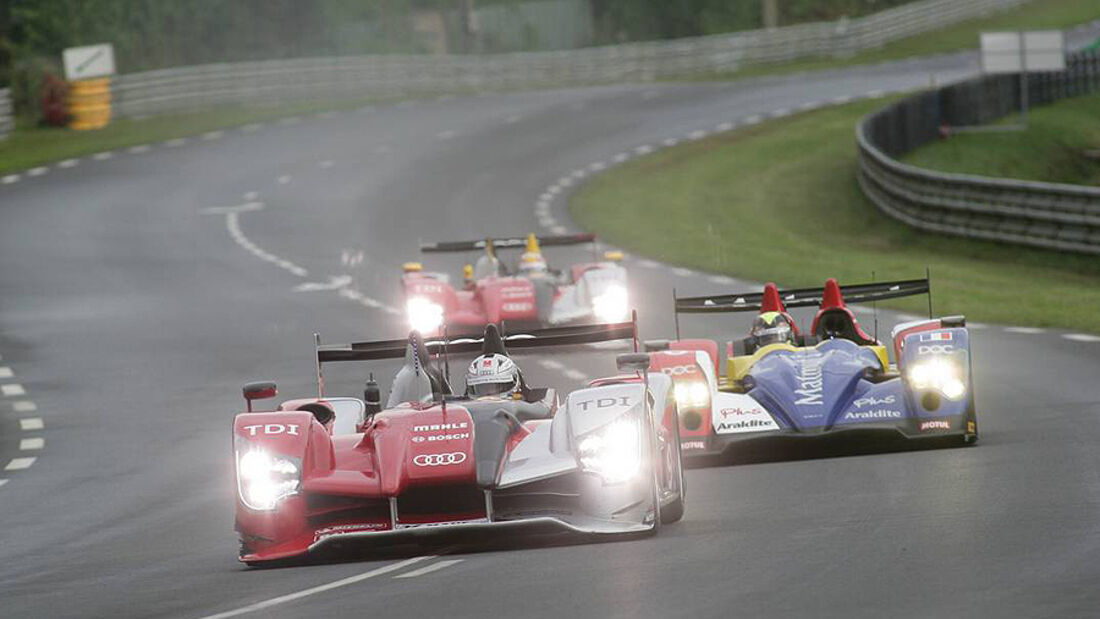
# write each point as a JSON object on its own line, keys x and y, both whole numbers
{"x": 614, "y": 452}
{"x": 938, "y": 374}
{"x": 692, "y": 394}
{"x": 424, "y": 315}
{"x": 264, "y": 479}
{"x": 611, "y": 305}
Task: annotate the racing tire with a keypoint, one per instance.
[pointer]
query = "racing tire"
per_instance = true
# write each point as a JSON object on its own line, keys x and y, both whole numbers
{"x": 674, "y": 511}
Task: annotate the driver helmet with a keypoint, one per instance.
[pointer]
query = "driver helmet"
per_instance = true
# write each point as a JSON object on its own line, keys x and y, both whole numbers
{"x": 772, "y": 328}
{"x": 532, "y": 263}
{"x": 492, "y": 375}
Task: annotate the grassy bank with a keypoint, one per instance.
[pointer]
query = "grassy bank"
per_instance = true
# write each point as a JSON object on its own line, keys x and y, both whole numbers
{"x": 779, "y": 201}
{"x": 1035, "y": 15}
{"x": 1056, "y": 147}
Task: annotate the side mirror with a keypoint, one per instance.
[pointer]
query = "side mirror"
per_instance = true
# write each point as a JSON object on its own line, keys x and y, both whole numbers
{"x": 655, "y": 345}
{"x": 259, "y": 391}
{"x": 632, "y": 362}
{"x": 372, "y": 398}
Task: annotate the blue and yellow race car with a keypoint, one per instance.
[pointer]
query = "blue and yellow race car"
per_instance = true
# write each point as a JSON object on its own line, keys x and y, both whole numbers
{"x": 836, "y": 380}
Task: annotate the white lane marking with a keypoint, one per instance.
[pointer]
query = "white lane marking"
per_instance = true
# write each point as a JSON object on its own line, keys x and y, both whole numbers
{"x": 5, "y": 372}
{"x": 780, "y": 113}
{"x": 579, "y": 173}
{"x": 550, "y": 364}
{"x": 644, "y": 149}
{"x": 12, "y": 389}
{"x": 908, "y": 317}
{"x": 39, "y": 171}
{"x": 343, "y": 582}
{"x": 139, "y": 149}
{"x": 721, "y": 280}
{"x": 574, "y": 374}
{"x": 233, "y": 225}
{"x": 30, "y": 424}
{"x": 252, "y": 127}
{"x": 9, "y": 179}
{"x": 1081, "y": 337}
{"x": 104, "y": 156}
{"x": 513, "y": 119}
{"x": 19, "y": 464}
{"x": 335, "y": 282}
{"x": 445, "y": 135}
{"x": 547, "y": 222}
{"x": 1024, "y": 330}
{"x": 559, "y": 230}
{"x": 213, "y": 135}
{"x": 428, "y": 569}
{"x": 175, "y": 143}
{"x": 240, "y": 208}
{"x": 976, "y": 325}
{"x": 68, "y": 163}
{"x": 3, "y": 481}
{"x": 670, "y": 142}
{"x": 24, "y": 406}
{"x": 726, "y": 126}
{"x": 620, "y": 157}
{"x": 290, "y": 120}
{"x": 875, "y": 94}
{"x": 250, "y": 196}
{"x": 842, "y": 99}
{"x": 752, "y": 120}
{"x": 284, "y": 179}
{"x": 31, "y": 444}
{"x": 326, "y": 164}
{"x": 810, "y": 105}
{"x": 649, "y": 264}
{"x": 682, "y": 272}
{"x": 697, "y": 134}
{"x": 597, "y": 166}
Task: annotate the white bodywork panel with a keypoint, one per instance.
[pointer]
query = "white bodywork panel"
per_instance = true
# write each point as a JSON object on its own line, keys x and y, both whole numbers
{"x": 734, "y": 413}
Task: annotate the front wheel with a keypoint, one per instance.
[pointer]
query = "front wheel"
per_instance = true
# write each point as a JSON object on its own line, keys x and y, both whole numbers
{"x": 673, "y": 511}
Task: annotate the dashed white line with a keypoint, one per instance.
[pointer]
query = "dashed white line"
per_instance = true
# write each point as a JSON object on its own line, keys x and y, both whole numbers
{"x": 32, "y": 444}
{"x": 682, "y": 272}
{"x": 252, "y": 127}
{"x": 597, "y": 166}
{"x": 559, "y": 230}
{"x": 752, "y": 120}
{"x": 620, "y": 157}
{"x": 213, "y": 135}
{"x": 139, "y": 149}
{"x": 575, "y": 374}
{"x": 343, "y": 582}
{"x": 810, "y": 105}
{"x": 550, "y": 364}
{"x": 725, "y": 126}
{"x": 698, "y": 134}
{"x": 39, "y": 171}
{"x": 9, "y": 179}
{"x": 842, "y": 99}
{"x": 1081, "y": 337}
{"x": 283, "y": 180}
{"x": 781, "y": 112}
{"x": 176, "y": 143}
{"x": 721, "y": 280}
{"x": 644, "y": 149}
{"x": 445, "y": 135}
{"x": 3, "y": 481}
{"x": 68, "y": 163}
{"x": 19, "y": 464}
{"x": 649, "y": 264}
{"x": 104, "y": 156}
{"x": 326, "y": 164}
{"x": 12, "y": 389}
{"x": 579, "y": 173}
{"x": 24, "y": 406}
{"x": 30, "y": 424}
{"x": 250, "y": 196}
{"x": 875, "y": 94}
{"x": 1024, "y": 330}
{"x": 5, "y": 372}
{"x": 670, "y": 142}
{"x": 438, "y": 565}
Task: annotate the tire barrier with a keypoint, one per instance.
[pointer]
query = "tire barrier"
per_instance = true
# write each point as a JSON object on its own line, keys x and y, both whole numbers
{"x": 90, "y": 104}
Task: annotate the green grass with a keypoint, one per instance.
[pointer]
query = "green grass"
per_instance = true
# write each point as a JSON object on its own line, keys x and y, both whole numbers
{"x": 780, "y": 202}
{"x": 1035, "y": 15}
{"x": 30, "y": 146}
{"x": 1053, "y": 148}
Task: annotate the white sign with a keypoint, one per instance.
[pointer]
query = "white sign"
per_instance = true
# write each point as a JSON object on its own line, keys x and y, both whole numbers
{"x": 83, "y": 63}
{"x": 1013, "y": 52}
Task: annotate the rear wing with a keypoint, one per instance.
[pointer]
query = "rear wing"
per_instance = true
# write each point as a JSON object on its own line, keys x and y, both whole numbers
{"x": 534, "y": 338}
{"x": 802, "y": 297}
{"x": 506, "y": 243}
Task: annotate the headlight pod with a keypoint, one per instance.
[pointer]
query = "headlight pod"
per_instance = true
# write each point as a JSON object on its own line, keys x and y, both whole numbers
{"x": 939, "y": 374}
{"x": 693, "y": 394}
{"x": 424, "y": 316}
{"x": 612, "y": 304}
{"x": 264, "y": 479}
{"x": 614, "y": 452}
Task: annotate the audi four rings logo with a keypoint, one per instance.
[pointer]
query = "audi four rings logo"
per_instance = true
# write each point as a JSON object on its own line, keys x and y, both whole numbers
{"x": 456, "y": 457}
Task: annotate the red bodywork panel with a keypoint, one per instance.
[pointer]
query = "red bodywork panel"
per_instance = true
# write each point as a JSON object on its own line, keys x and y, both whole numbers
{"x": 488, "y": 300}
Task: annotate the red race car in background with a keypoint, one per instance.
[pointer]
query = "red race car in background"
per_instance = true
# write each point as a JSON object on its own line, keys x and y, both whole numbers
{"x": 528, "y": 295}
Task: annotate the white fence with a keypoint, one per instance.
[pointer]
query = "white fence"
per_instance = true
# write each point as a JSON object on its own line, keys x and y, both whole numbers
{"x": 7, "y": 120}
{"x": 257, "y": 83}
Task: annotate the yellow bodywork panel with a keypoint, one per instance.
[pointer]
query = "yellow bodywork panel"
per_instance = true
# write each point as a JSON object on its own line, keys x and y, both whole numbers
{"x": 737, "y": 367}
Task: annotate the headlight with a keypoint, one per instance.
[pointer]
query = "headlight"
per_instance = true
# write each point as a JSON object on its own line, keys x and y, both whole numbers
{"x": 938, "y": 374}
{"x": 264, "y": 479}
{"x": 611, "y": 305}
{"x": 614, "y": 452}
{"x": 692, "y": 394}
{"x": 424, "y": 315}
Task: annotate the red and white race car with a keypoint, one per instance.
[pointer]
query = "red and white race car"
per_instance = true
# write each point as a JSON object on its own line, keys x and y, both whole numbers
{"x": 324, "y": 469}
{"x": 530, "y": 295}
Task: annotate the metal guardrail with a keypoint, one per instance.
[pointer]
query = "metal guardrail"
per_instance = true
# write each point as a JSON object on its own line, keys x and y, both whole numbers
{"x": 1048, "y": 215}
{"x": 7, "y": 115}
{"x": 268, "y": 82}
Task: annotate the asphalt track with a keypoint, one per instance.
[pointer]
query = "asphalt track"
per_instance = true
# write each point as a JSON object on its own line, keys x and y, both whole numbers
{"x": 131, "y": 313}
